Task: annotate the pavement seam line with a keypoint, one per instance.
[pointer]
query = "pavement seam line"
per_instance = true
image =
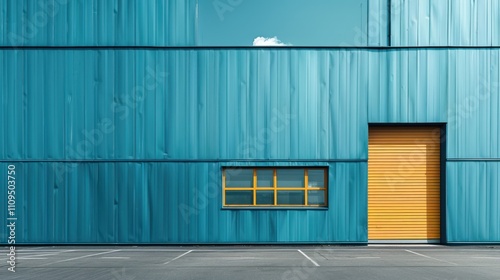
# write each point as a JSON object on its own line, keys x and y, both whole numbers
{"x": 307, "y": 257}
{"x": 82, "y": 257}
{"x": 409, "y": 251}
{"x": 178, "y": 257}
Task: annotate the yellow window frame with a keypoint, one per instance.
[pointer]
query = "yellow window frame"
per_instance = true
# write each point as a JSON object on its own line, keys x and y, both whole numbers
{"x": 255, "y": 189}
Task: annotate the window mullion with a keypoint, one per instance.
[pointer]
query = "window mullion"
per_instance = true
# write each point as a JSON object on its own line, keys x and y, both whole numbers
{"x": 306, "y": 182}
{"x": 255, "y": 186}
{"x": 275, "y": 184}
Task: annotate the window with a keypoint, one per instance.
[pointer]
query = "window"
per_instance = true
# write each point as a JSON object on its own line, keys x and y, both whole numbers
{"x": 275, "y": 187}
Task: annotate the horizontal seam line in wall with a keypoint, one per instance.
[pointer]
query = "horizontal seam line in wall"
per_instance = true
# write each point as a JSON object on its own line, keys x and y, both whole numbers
{"x": 245, "y": 47}
{"x": 181, "y": 160}
{"x": 473, "y": 159}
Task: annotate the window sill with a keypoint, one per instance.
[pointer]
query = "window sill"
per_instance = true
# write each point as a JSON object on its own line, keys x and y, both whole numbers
{"x": 321, "y": 208}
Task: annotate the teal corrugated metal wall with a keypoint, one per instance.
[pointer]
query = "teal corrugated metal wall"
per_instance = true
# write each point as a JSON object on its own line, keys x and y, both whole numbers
{"x": 472, "y": 175}
{"x": 172, "y": 23}
{"x": 378, "y": 25}
{"x": 138, "y": 202}
{"x": 409, "y": 86}
{"x": 97, "y": 23}
{"x": 473, "y": 194}
{"x": 215, "y": 106}
{"x": 144, "y": 104}
{"x": 473, "y": 115}
{"x": 445, "y": 23}
{"x": 176, "y": 105}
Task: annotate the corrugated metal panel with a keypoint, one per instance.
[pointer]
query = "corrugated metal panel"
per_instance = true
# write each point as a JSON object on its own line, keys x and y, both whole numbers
{"x": 473, "y": 195}
{"x": 474, "y": 107}
{"x": 97, "y": 23}
{"x": 445, "y": 23}
{"x": 409, "y": 86}
{"x": 460, "y": 87}
{"x": 184, "y": 104}
{"x": 403, "y": 183}
{"x": 378, "y": 21}
{"x": 171, "y": 203}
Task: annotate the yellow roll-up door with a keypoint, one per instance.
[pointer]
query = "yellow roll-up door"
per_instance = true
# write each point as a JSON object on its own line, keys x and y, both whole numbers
{"x": 404, "y": 183}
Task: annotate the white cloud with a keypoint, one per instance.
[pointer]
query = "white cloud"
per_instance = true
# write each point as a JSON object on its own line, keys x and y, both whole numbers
{"x": 263, "y": 41}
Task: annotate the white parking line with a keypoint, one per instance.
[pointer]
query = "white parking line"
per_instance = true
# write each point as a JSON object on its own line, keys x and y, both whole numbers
{"x": 30, "y": 248}
{"x": 28, "y": 258}
{"x": 103, "y": 250}
{"x": 178, "y": 257}
{"x": 38, "y": 252}
{"x": 154, "y": 249}
{"x": 30, "y": 255}
{"x": 427, "y": 248}
{"x": 227, "y": 250}
{"x": 82, "y": 257}
{"x": 42, "y": 255}
{"x": 307, "y": 257}
{"x": 409, "y": 251}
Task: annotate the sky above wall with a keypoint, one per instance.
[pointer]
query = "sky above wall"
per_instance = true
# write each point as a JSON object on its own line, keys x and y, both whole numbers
{"x": 281, "y": 22}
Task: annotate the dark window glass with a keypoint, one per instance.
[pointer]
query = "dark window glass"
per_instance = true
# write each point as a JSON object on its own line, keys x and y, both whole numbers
{"x": 290, "y": 198}
{"x": 265, "y": 178}
{"x": 316, "y": 197}
{"x": 265, "y": 197}
{"x": 316, "y": 178}
{"x": 239, "y": 197}
{"x": 239, "y": 178}
{"x": 290, "y": 178}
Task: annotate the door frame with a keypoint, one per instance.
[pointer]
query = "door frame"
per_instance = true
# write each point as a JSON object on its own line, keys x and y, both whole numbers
{"x": 441, "y": 128}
